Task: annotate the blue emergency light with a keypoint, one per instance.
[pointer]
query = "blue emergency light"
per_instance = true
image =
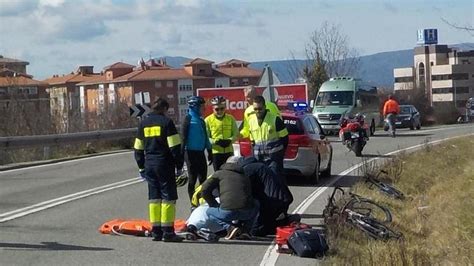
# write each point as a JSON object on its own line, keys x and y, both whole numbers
{"x": 298, "y": 106}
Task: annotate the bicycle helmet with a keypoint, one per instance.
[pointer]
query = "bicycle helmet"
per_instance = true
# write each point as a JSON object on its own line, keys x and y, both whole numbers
{"x": 218, "y": 100}
{"x": 182, "y": 179}
{"x": 195, "y": 101}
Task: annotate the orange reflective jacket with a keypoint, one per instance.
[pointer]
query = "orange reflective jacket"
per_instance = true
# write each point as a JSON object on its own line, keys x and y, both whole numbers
{"x": 391, "y": 106}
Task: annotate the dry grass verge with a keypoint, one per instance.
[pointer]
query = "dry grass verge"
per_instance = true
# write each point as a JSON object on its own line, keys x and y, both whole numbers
{"x": 437, "y": 218}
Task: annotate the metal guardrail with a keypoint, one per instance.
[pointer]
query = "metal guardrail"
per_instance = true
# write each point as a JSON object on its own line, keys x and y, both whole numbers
{"x": 44, "y": 140}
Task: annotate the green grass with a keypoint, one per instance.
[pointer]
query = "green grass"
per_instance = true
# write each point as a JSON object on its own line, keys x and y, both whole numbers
{"x": 436, "y": 219}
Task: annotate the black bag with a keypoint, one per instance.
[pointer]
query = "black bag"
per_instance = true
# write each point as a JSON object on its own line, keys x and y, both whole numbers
{"x": 308, "y": 243}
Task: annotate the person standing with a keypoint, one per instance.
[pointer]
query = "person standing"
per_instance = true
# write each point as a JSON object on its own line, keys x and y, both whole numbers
{"x": 195, "y": 143}
{"x": 250, "y": 93}
{"x": 267, "y": 133}
{"x": 222, "y": 131}
{"x": 157, "y": 153}
{"x": 390, "y": 111}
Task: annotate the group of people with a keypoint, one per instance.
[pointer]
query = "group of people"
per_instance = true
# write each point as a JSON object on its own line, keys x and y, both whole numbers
{"x": 243, "y": 196}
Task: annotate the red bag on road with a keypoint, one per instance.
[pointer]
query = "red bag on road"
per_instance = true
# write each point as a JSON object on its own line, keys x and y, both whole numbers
{"x": 283, "y": 233}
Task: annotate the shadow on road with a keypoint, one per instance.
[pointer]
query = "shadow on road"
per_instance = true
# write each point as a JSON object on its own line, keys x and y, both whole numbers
{"x": 377, "y": 156}
{"x": 407, "y": 135}
{"x": 260, "y": 241}
{"x": 50, "y": 246}
{"x": 311, "y": 216}
{"x": 298, "y": 181}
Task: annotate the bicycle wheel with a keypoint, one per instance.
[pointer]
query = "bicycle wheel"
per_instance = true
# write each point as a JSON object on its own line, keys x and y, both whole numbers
{"x": 369, "y": 208}
{"x": 375, "y": 229}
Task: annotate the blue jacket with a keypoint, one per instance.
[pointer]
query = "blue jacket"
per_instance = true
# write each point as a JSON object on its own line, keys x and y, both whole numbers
{"x": 194, "y": 132}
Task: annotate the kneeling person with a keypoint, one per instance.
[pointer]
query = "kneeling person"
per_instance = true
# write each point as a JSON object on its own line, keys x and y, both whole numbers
{"x": 236, "y": 201}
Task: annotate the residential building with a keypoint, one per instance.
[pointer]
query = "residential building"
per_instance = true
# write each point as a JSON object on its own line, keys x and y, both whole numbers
{"x": 155, "y": 78}
{"x": 14, "y": 65}
{"x": 24, "y": 103}
{"x": 445, "y": 73}
{"x": 65, "y": 100}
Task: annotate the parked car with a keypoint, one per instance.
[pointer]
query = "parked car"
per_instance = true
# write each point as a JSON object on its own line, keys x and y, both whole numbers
{"x": 309, "y": 153}
{"x": 408, "y": 117}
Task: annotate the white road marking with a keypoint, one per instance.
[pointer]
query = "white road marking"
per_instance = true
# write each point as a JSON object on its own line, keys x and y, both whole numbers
{"x": 7, "y": 216}
{"x": 271, "y": 255}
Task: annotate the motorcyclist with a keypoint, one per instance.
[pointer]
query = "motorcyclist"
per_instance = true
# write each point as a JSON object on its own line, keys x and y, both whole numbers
{"x": 391, "y": 109}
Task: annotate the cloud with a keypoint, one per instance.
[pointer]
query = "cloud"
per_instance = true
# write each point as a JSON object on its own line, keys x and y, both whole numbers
{"x": 15, "y": 8}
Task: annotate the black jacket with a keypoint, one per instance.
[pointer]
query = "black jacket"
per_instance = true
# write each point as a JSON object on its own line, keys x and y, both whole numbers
{"x": 235, "y": 191}
{"x": 155, "y": 144}
{"x": 266, "y": 184}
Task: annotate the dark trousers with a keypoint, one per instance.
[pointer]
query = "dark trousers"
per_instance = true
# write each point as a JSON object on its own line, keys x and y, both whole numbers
{"x": 219, "y": 159}
{"x": 197, "y": 169}
{"x": 266, "y": 222}
{"x": 161, "y": 181}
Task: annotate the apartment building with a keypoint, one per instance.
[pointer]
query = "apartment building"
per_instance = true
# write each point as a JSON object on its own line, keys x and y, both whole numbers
{"x": 64, "y": 97}
{"x": 24, "y": 103}
{"x": 154, "y": 78}
{"x": 446, "y": 74}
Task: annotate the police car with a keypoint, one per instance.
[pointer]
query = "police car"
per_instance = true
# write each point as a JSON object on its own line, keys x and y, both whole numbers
{"x": 309, "y": 153}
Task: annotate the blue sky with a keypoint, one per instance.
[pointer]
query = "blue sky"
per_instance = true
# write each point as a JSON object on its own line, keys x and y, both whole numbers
{"x": 56, "y": 36}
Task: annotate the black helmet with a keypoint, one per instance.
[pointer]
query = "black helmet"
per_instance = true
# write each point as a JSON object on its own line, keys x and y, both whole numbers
{"x": 195, "y": 101}
{"x": 217, "y": 100}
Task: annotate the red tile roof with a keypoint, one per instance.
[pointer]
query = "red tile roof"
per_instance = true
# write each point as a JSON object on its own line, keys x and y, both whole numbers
{"x": 198, "y": 60}
{"x": 97, "y": 79}
{"x": 239, "y": 72}
{"x": 161, "y": 74}
{"x": 118, "y": 65}
{"x": 70, "y": 78}
{"x": 20, "y": 81}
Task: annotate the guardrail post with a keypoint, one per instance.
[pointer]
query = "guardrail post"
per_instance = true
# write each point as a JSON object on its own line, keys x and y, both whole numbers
{"x": 46, "y": 153}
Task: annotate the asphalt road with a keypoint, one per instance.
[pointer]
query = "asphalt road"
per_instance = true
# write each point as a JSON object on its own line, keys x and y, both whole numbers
{"x": 49, "y": 215}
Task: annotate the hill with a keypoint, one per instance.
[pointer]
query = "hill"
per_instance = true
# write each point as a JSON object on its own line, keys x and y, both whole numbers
{"x": 376, "y": 68}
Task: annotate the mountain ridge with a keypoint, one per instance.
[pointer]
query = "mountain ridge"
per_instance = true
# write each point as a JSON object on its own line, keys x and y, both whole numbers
{"x": 375, "y": 68}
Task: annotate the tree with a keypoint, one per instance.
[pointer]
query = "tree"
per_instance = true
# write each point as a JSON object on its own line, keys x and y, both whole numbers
{"x": 328, "y": 54}
{"x": 315, "y": 76}
{"x": 468, "y": 28}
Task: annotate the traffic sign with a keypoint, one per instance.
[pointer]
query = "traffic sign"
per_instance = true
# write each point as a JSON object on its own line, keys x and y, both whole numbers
{"x": 140, "y": 110}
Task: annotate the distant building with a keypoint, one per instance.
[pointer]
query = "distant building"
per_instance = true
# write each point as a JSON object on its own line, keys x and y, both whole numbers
{"x": 445, "y": 74}
{"x": 22, "y": 99}
{"x": 14, "y": 65}
{"x": 123, "y": 83}
{"x": 64, "y": 97}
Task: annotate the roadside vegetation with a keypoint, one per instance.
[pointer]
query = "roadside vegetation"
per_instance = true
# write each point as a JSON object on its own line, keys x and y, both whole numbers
{"x": 23, "y": 117}
{"x": 436, "y": 218}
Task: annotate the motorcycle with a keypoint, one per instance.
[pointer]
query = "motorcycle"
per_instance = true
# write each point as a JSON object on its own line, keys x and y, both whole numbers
{"x": 353, "y": 134}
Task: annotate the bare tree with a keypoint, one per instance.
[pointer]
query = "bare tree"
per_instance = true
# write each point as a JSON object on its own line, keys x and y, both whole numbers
{"x": 468, "y": 28}
{"x": 332, "y": 46}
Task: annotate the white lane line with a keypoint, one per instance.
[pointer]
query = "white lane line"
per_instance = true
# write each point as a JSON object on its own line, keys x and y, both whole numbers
{"x": 271, "y": 255}
{"x": 4, "y": 217}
